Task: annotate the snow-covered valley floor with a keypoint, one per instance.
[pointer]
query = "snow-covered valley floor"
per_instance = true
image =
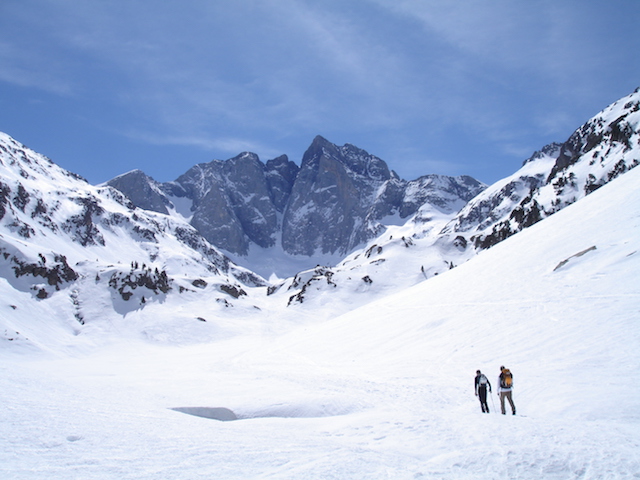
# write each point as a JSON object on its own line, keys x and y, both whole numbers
{"x": 382, "y": 392}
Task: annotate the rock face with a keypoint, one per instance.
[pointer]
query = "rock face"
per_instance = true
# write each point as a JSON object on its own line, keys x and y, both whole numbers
{"x": 231, "y": 202}
{"x": 332, "y": 204}
{"x": 143, "y": 191}
{"x": 342, "y": 194}
{"x": 281, "y": 174}
{"x": 336, "y": 200}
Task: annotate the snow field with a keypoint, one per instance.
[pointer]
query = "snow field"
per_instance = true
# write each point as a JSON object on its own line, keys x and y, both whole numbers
{"x": 383, "y": 392}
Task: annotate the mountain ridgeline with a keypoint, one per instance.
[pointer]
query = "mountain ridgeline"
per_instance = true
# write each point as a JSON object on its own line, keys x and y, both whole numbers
{"x": 560, "y": 174}
{"x": 429, "y": 243}
{"x": 135, "y": 242}
{"x": 335, "y": 201}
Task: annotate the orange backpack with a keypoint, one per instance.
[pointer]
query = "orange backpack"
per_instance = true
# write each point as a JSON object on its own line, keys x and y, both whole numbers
{"x": 506, "y": 379}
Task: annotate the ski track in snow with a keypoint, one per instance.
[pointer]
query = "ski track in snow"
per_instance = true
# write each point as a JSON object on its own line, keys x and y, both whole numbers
{"x": 382, "y": 392}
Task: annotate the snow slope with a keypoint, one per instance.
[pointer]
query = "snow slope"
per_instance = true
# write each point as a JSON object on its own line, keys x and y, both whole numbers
{"x": 382, "y": 392}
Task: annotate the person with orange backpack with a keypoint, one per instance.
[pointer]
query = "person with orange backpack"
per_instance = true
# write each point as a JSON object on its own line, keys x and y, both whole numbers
{"x": 505, "y": 385}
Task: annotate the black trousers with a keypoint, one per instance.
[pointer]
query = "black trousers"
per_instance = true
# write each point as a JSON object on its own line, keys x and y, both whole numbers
{"x": 482, "y": 394}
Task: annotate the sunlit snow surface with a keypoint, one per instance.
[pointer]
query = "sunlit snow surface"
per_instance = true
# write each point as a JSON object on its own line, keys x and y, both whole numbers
{"x": 384, "y": 391}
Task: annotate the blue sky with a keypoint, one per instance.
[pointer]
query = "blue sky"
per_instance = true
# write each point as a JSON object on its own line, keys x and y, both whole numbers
{"x": 435, "y": 86}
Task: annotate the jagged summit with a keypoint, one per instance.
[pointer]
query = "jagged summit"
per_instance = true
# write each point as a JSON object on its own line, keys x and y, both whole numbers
{"x": 339, "y": 197}
{"x": 603, "y": 148}
{"x": 551, "y": 150}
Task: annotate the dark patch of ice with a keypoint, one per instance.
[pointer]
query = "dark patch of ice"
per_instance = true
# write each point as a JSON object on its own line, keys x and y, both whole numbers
{"x": 282, "y": 410}
{"x": 215, "y": 413}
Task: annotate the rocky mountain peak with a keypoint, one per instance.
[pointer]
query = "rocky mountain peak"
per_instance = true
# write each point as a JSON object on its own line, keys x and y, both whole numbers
{"x": 551, "y": 150}
{"x": 342, "y": 194}
{"x": 319, "y": 146}
{"x": 615, "y": 125}
{"x": 336, "y": 200}
{"x": 355, "y": 159}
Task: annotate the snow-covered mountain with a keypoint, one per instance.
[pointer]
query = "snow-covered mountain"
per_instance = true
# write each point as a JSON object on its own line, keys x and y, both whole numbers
{"x": 58, "y": 233}
{"x": 560, "y": 174}
{"x": 338, "y": 198}
{"x": 434, "y": 241}
{"x": 384, "y": 391}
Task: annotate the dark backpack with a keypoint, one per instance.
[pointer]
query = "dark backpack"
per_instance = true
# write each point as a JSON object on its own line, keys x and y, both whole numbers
{"x": 506, "y": 379}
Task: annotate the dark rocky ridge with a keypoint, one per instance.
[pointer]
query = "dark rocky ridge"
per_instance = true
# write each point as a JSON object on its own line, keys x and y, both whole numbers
{"x": 330, "y": 204}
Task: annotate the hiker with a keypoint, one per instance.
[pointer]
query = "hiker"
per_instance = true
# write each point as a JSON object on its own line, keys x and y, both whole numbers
{"x": 481, "y": 384}
{"x": 505, "y": 384}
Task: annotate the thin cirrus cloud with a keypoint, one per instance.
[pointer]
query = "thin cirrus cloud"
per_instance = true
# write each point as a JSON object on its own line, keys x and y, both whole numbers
{"x": 549, "y": 54}
{"x": 230, "y": 73}
{"x": 431, "y": 86}
{"x": 502, "y": 44}
{"x": 327, "y": 75}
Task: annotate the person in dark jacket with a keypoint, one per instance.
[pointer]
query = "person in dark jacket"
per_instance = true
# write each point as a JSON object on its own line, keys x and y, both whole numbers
{"x": 481, "y": 384}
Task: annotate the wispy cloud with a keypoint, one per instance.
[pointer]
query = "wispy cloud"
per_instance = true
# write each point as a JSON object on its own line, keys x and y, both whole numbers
{"x": 228, "y": 145}
{"x": 398, "y": 77}
{"x": 542, "y": 48}
{"x": 17, "y": 68}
